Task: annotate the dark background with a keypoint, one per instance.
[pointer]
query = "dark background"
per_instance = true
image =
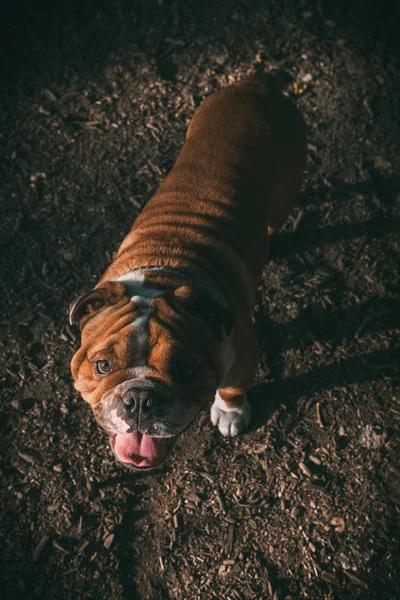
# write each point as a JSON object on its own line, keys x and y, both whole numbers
{"x": 95, "y": 99}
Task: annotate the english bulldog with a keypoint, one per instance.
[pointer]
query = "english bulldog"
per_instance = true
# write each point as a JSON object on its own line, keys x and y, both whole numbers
{"x": 169, "y": 328}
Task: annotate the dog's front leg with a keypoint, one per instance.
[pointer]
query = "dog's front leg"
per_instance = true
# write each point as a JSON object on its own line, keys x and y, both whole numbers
{"x": 231, "y": 410}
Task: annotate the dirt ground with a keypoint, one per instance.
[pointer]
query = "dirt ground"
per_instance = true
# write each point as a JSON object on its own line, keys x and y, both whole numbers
{"x": 95, "y": 101}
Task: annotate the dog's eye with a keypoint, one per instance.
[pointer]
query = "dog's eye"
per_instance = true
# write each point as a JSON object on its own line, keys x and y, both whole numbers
{"x": 102, "y": 367}
{"x": 184, "y": 370}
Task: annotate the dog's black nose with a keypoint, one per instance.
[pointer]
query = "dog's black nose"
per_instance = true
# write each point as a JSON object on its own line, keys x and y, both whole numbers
{"x": 139, "y": 400}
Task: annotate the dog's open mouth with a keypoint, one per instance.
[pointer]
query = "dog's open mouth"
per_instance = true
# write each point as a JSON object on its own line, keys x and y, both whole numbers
{"x": 138, "y": 450}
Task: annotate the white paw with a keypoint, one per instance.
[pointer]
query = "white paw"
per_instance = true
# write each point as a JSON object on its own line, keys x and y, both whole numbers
{"x": 230, "y": 421}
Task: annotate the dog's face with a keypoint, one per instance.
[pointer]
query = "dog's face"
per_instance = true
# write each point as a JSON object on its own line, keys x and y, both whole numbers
{"x": 147, "y": 364}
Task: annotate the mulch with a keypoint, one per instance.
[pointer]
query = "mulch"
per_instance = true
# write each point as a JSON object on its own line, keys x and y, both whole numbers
{"x": 95, "y": 102}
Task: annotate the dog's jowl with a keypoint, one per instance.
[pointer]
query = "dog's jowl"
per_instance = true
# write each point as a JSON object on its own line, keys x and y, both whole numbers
{"x": 168, "y": 328}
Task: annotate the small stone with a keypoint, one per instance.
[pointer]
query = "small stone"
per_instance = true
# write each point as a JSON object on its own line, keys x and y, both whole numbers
{"x": 307, "y": 78}
{"x": 338, "y": 524}
{"x": 58, "y": 468}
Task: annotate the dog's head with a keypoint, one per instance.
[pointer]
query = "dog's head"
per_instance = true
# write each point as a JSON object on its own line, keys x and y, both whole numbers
{"x": 149, "y": 361}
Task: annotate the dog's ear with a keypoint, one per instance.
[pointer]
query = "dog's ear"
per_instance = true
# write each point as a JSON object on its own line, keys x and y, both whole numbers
{"x": 217, "y": 316}
{"x": 88, "y": 305}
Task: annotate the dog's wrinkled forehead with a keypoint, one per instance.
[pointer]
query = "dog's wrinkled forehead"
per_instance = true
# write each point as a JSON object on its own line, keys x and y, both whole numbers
{"x": 143, "y": 299}
{"x": 127, "y": 292}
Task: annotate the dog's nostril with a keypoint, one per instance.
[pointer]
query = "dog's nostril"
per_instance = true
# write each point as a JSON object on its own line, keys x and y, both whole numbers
{"x": 128, "y": 400}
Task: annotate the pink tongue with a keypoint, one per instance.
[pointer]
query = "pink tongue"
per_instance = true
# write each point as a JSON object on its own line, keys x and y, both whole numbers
{"x": 139, "y": 449}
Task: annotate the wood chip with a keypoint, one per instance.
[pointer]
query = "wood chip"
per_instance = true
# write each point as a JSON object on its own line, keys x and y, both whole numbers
{"x": 90, "y": 123}
{"x": 318, "y": 409}
{"x": 298, "y": 219}
{"x": 194, "y": 498}
{"x": 44, "y": 111}
{"x": 305, "y": 469}
{"x": 229, "y": 541}
{"x": 220, "y": 501}
{"x": 30, "y": 458}
{"x": 229, "y": 520}
{"x": 49, "y": 95}
{"x": 294, "y": 513}
{"x": 177, "y": 507}
{"x": 40, "y": 547}
{"x": 58, "y": 546}
{"x": 316, "y": 485}
{"x": 161, "y": 563}
{"x": 329, "y": 577}
{"x": 367, "y": 107}
{"x": 356, "y": 579}
{"x": 73, "y": 570}
{"x": 84, "y": 546}
{"x": 205, "y": 475}
{"x": 109, "y": 540}
{"x": 175, "y": 520}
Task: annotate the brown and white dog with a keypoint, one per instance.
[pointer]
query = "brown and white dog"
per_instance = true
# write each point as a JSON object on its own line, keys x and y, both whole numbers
{"x": 168, "y": 328}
